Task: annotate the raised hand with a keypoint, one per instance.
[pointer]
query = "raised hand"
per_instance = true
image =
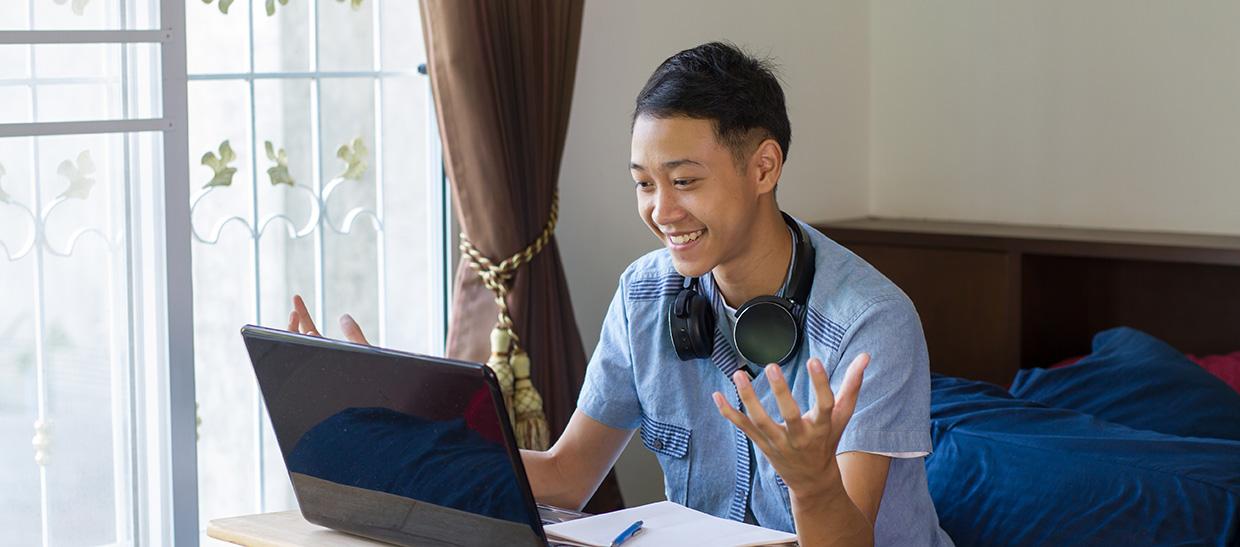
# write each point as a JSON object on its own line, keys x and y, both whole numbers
{"x": 299, "y": 321}
{"x": 802, "y": 448}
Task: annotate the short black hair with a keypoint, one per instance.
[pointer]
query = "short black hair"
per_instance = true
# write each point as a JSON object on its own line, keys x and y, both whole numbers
{"x": 720, "y": 82}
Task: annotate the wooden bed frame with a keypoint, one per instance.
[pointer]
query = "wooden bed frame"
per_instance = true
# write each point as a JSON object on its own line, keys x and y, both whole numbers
{"x": 995, "y": 298}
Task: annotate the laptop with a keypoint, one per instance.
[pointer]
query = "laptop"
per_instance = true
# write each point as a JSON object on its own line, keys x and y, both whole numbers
{"x": 394, "y": 446}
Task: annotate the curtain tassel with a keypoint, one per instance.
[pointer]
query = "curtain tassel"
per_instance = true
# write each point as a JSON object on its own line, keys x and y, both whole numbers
{"x": 499, "y": 363}
{"x": 508, "y": 360}
{"x": 530, "y": 427}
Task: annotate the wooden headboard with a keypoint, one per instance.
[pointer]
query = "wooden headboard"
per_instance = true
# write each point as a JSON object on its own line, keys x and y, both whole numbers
{"x": 995, "y": 298}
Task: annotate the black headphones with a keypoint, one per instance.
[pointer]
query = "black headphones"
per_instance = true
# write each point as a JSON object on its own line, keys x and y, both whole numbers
{"x": 768, "y": 328}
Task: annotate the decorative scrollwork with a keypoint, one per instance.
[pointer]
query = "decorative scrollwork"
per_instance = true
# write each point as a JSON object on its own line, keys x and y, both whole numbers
{"x": 271, "y": 6}
{"x": 354, "y": 156}
{"x": 223, "y": 5}
{"x": 77, "y": 173}
{"x": 26, "y": 247}
{"x": 219, "y": 164}
{"x": 294, "y": 232}
{"x": 349, "y": 217}
{"x": 279, "y": 172}
{"x": 78, "y": 6}
{"x": 41, "y": 442}
{"x": 4, "y": 196}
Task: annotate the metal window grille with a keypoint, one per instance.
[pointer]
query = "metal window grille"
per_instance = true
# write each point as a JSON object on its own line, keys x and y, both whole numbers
{"x": 156, "y": 221}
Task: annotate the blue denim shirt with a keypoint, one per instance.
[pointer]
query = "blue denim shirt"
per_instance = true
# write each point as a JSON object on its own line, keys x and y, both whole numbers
{"x": 636, "y": 380}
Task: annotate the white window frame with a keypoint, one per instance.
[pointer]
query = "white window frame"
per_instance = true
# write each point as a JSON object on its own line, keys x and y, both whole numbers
{"x": 165, "y": 482}
{"x": 165, "y": 448}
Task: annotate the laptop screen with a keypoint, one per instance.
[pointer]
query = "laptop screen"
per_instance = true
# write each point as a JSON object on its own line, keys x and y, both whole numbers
{"x": 395, "y": 443}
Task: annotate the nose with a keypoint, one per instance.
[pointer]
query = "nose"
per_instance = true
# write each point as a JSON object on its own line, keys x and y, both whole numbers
{"x": 667, "y": 208}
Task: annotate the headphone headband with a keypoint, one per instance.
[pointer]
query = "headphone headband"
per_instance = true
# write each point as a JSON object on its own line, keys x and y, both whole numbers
{"x": 801, "y": 280}
{"x": 767, "y": 328}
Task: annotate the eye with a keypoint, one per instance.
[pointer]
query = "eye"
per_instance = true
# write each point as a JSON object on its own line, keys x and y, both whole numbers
{"x": 642, "y": 185}
{"x": 682, "y": 182}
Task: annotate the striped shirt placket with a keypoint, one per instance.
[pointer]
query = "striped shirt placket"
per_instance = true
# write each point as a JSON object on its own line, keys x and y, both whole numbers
{"x": 727, "y": 361}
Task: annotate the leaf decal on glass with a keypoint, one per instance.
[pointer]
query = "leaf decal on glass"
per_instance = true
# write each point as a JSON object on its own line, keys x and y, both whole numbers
{"x": 279, "y": 174}
{"x": 78, "y": 175}
{"x": 4, "y": 196}
{"x": 78, "y": 6}
{"x": 271, "y": 6}
{"x": 223, "y": 5}
{"x": 357, "y": 4}
{"x": 219, "y": 164}
{"x": 354, "y": 158}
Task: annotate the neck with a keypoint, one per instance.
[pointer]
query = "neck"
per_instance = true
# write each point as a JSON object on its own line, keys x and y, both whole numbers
{"x": 761, "y": 267}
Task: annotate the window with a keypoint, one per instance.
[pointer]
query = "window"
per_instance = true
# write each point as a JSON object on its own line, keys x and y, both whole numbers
{"x": 327, "y": 117}
{"x": 144, "y": 219}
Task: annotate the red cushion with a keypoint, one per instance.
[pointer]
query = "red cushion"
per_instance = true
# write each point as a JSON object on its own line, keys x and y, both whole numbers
{"x": 1066, "y": 362}
{"x": 1224, "y": 367}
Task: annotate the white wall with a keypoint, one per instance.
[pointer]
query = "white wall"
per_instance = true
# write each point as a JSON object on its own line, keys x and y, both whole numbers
{"x": 1109, "y": 113}
{"x": 821, "y": 47}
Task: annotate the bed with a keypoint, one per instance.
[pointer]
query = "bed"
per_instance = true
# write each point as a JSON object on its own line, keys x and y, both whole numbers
{"x": 1080, "y": 391}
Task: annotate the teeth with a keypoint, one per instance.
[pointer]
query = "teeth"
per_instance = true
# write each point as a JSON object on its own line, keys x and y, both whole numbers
{"x": 682, "y": 239}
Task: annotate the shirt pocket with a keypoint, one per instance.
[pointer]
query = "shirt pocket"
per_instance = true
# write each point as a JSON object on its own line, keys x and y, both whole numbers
{"x": 670, "y": 443}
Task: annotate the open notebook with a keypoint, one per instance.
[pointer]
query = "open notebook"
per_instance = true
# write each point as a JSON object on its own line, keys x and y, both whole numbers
{"x": 665, "y": 523}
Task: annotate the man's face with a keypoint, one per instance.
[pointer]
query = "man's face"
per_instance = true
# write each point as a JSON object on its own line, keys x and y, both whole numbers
{"x": 691, "y": 192}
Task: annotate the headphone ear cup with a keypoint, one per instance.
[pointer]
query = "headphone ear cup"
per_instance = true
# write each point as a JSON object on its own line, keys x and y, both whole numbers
{"x": 767, "y": 330}
{"x": 691, "y": 324}
{"x": 701, "y": 327}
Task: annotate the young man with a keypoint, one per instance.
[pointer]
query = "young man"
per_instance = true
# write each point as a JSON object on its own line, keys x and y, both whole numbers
{"x": 710, "y": 137}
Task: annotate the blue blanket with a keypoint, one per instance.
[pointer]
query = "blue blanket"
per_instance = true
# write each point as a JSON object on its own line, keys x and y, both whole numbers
{"x": 1007, "y": 471}
{"x": 1131, "y": 378}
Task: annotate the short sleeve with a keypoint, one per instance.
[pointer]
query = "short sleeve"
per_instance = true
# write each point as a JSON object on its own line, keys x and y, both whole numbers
{"x": 609, "y": 394}
{"x": 893, "y": 408}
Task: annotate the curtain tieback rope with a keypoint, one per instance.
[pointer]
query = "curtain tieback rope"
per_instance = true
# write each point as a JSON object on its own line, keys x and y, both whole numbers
{"x": 510, "y": 363}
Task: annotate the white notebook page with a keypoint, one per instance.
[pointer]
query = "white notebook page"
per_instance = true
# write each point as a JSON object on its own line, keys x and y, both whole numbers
{"x": 665, "y": 523}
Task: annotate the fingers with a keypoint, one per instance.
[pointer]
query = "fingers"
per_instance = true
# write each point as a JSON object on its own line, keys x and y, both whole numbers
{"x": 827, "y": 403}
{"x": 305, "y": 324}
{"x": 783, "y": 397}
{"x": 740, "y": 420}
{"x": 300, "y": 321}
{"x": 352, "y": 331}
{"x": 824, "y": 399}
{"x": 753, "y": 407}
{"x": 849, "y": 389}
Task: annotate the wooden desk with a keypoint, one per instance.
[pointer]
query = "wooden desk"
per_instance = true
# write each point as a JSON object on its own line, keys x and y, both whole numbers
{"x": 384, "y": 514}
{"x": 284, "y": 529}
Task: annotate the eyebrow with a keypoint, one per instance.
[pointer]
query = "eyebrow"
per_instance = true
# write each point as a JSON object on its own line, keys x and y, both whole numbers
{"x": 668, "y": 165}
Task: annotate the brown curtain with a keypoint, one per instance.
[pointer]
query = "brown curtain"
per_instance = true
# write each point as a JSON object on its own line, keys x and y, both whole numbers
{"x": 502, "y": 77}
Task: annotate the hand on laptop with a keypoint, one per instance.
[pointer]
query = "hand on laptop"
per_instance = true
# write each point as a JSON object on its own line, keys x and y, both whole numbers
{"x": 299, "y": 321}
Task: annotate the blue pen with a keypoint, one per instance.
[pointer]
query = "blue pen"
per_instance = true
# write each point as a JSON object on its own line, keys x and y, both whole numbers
{"x": 629, "y": 532}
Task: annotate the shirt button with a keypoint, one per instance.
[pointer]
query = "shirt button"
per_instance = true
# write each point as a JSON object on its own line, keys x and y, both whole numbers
{"x": 658, "y": 444}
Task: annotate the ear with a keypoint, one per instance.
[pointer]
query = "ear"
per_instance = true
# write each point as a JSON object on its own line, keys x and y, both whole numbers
{"x": 765, "y": 166}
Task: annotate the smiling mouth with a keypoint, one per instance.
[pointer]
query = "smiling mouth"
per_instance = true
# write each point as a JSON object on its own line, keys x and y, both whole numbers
{"x": 683, "y": 239}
